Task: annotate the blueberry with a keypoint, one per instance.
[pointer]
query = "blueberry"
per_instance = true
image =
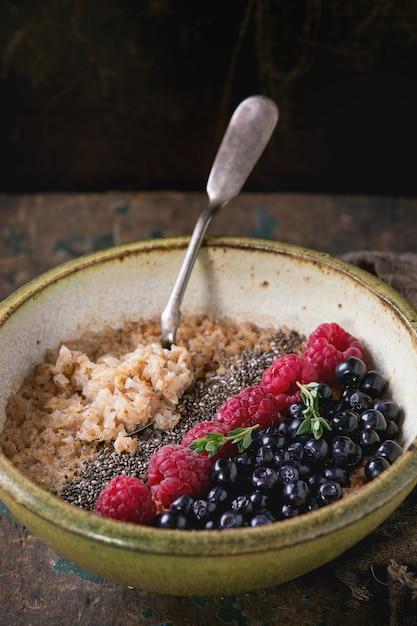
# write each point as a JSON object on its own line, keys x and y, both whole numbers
{"x": 392, "y": 429}
{"x": 183, "y": 503}
{"x": 289, "y": 511}
{"x": 265, "y": 478}
{"x": 388, "y": 408}
{"x": 261, "y": 518}
{"x": 225, "y": 471}
{"x": 345, "y": 422}
{"x": 256, "y": 441}
{"x": 203, "y": 510}
{"x": 369, "y": 440}
{"x": 330, "y": 410}
{"x": 295, "y": 410}
{"x": 296, "y": 450}
{"x": 314, "y": 481}
{"x": 283, "y": 428}
{"x": 243, "y": 504}
{"x": 303, "y": 468}
{"x": 316, "y": 450}
{"x": 173, "y": 519}
{"x": 372, "y": 418}
{"x": 264, "y": 456}
{"x": 230, "y": 519}
{"x": 389, "y": 450}
{"x": 325, "y": 394}
{"x": 375, "y": 466}
{"x": 293, "y": 426}
{"x": 350, "y": 371}
{"x": 345, "y": 452}
{"x": 360, "y": 401}
{"x": 211, "y": 524}
{"x": 338, "y": 474}
{"x": 295, "y": 493}
{"x": 373, "y": 383}
{"x": 346, "y": 396}
{"x": 273, "y": 440}
{"x": 329, "y": 492}
{"x": 245, "y": 464}
{"x": 288, "y": 473}
{"x": 281, "y": 458}
{"x": 218, "y": 496}
{"x": 259, "y": 500}
{"x": 310, "y": 505}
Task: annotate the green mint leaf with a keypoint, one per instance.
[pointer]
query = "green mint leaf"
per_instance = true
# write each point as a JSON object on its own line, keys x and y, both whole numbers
{"x": 316, "y": 428}
{"x": 213, "y": 442}
{"x": 212, "y": 447}
{"x": 313, "y": 422}
{"x": 325, "y": 423}
{"x": 304, "y": 427}
{"x": 198, "y": 445}
{"x": 246, "y": 442}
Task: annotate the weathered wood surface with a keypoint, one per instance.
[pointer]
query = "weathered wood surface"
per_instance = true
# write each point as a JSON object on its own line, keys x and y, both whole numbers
{"x": 43, "y": 230}
{"x": 38, "y": 232}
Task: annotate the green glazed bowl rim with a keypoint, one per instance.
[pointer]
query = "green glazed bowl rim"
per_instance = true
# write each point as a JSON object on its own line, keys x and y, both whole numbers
{"x": 402, "y": 476}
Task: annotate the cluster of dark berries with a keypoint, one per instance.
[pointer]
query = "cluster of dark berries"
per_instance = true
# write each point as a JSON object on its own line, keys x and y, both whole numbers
{"x": 288, "y": 469}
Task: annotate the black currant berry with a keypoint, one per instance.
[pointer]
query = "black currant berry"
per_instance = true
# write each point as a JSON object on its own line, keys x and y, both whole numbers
{"x": 373, "y": 383}
{"x": 316, "y": 450}
{"x": 295, "y": 493}
{"x": 171, "y": 519}
{"x": 389, "y": 450}
{"x": 230, "y": 519}
{"x": 183, "y": 503}
{"x": 372, "y": 418}
{"x": 265, "y": 478}
{"x": 360, "y": 401}
{"x": 350, "y": 371}
{"x": 224, "y": 471}
{"x": 325, "y": 394}
{"x": 388, "y": 408}
{"x": 345, "y": 422}
{"x": 329, "y": 492}
{"x": 375, "y": 466}
{"x": 369, "y": 440}
{"x": 261, "y": 518}
{"x": 345, "y": 452}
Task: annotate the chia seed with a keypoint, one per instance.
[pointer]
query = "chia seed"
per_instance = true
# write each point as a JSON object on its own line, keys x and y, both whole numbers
{"x": 199, "y": 403}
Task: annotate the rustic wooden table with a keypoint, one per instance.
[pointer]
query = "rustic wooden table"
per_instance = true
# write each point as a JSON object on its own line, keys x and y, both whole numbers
{"x": 40, "y": 231}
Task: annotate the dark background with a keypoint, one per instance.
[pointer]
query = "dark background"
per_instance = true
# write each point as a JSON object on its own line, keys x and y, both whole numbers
{"x": 136, "y": 94}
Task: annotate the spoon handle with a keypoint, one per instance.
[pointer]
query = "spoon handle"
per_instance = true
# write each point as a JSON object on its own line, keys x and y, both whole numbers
{"x": 171, "y": 315}
{"x": 247, "y": 134}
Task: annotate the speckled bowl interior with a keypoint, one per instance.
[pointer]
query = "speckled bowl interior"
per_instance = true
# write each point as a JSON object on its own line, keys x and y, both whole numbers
{"x": 243, "y": 279}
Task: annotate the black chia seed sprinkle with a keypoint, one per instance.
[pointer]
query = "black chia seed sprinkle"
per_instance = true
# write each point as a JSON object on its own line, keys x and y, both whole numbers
{"x": 199, "y": 403}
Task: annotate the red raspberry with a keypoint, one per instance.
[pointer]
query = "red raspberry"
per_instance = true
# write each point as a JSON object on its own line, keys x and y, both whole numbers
{"x": 281, "y": 377}
{"x": 174, "y": 470}
{"x": 253, "y": 405}
{"x": 201, "y": 429}
{"x": 327, "y": 346}
{"x": 127, "y": 499}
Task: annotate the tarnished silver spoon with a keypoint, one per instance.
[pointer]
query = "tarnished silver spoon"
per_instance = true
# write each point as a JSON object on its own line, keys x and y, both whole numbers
{"x": 246, "y": 136}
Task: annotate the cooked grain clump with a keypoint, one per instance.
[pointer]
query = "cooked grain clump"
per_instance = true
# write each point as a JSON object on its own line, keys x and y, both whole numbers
{"x": 93, "y": 392}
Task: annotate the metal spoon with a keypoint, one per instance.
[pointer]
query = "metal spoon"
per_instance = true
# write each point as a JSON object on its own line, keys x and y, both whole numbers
{"x": 247, "y": 134}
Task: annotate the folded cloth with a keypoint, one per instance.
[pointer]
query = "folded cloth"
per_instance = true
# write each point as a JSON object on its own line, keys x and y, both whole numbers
{"x": 386, "y": 560}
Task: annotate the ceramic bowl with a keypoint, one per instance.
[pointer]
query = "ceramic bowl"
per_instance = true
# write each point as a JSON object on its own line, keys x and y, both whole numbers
{"x": 244, "y": 279}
